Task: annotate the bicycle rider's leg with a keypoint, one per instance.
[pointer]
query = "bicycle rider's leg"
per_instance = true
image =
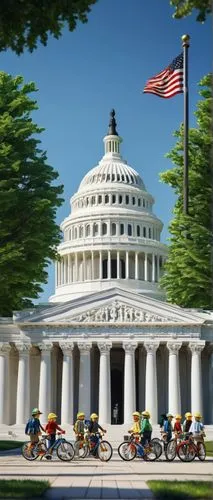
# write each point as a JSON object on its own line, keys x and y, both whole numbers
{"x": 51, "y": 443}
{"x": 34, "y": 439}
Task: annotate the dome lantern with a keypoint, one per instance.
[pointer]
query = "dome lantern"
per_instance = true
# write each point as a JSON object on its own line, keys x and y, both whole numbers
{"x": 112, "y": 139}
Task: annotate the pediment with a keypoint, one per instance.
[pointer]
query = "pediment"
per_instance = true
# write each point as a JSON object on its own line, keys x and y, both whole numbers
{"x": 111, "y": 306}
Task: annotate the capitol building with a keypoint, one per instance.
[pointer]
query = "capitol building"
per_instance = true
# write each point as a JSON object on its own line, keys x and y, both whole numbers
{"x": 107, "y": 339}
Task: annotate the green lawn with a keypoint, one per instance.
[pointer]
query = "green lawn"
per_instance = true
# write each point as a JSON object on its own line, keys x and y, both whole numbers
{"x": 209, "y": 448}
{"x": 10, "y": 445}
{"x": 181, "y": 490}
{"x": 14, "y": 488}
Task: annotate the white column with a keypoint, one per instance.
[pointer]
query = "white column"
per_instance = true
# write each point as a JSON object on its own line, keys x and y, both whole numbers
{"x": 84, "y": 267}
{"x": 129, "y": 381}
{"x": 146, "y": 267}
{"x": 105, "y": 383}
{"x": 136, "y": 265}
{"x": 23, "y": 386}
{"x": 151, "y": 399}
{"x": 100, "y": 266}
{"x": 118, "y": 265}
{"x": 45, "y": 380}
{"x": 69, "y": 268}
{"x": 67, "y": 383}
{"x": 109, "y": 265}
{"x": 141, "y": 377}
{"x": 92, "y": 267}
{"x": 127, "y": 265}
{"x": 153, "y": 267}
{"x": 174, "y": 401}
{"x": 84, "y": 378}
{"x": 76, "y": 267}
{"x": 196, "y": 377}
{"x": 4, "y": 377}
{"x": 158, "y": 268}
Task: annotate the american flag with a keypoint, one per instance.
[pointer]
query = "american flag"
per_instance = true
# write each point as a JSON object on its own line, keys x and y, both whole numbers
{"x": 168, "y": 82}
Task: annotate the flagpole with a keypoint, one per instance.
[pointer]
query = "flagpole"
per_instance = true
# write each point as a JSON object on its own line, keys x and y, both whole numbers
{"x": 185, "y": 45}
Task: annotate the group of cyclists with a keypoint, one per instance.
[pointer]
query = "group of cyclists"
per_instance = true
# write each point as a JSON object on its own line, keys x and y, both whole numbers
{"x": 88, "y": 436}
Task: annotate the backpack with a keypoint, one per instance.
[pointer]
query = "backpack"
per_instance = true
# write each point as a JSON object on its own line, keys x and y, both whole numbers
{"x": 147, "y": 426}
{"x": 30, "y": 427}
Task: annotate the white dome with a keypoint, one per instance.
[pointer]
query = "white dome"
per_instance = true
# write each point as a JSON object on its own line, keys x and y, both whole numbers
{"x": 112, "y": 171}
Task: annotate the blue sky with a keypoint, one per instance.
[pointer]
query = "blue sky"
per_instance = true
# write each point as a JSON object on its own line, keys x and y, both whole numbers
{"x": 103, "y": 64}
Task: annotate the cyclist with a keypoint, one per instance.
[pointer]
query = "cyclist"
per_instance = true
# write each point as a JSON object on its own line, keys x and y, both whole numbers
{"x": 93, "y": 428}
{"x": 33, "y": 427}
{"x": 136, "y": 428}
{"x": 51, "y": 429}
{"x": 187, "y": 423}
{"x": 177, "y": 426}
{"x": 167, "y": 427}
{"x": 146, "y": 428}
{"x": 197, "y": 427}
{"x": 79, "y": 429}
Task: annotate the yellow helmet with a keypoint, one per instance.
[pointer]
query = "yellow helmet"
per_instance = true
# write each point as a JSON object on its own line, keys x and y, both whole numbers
{"x": 188, "y": 414}
{"x": 136, "y": 414}
{"x": 178, "y": 417}
{"x": 93, "y": 415}
{"x": 80, "y": 414}
{"x": 197, "y": 415}
{"x": 51, "y": 415}
{"x": 146, "y": 413}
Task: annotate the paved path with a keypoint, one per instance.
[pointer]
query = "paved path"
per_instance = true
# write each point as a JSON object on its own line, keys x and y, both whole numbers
{"x": 92, "y": 479}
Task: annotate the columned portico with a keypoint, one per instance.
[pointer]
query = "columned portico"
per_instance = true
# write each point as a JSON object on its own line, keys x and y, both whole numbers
{"x": 85, "y": 378}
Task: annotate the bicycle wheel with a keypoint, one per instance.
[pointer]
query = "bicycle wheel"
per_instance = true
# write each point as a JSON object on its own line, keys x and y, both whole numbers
{"x": 127, "y": 451}
{"x": 201, "y": 451}
{"x": 149, "y": 452}
{"x": 65, "y": 451}
{"x": 81, "y": 449}
{"x": 170, "y": 450}
{"x": 157, "y": 446}
{"x": 186, "y": 452}
{"x": 104, "y": 451}
{"x": 28, "y": 452}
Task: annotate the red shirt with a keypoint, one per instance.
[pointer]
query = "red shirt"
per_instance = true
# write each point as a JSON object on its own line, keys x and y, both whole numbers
{"x": 177, "y": 427}
{"x": 51, "y": 428}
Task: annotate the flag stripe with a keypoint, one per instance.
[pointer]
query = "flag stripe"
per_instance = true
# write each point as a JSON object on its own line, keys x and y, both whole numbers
{"x": 169, "y": 81}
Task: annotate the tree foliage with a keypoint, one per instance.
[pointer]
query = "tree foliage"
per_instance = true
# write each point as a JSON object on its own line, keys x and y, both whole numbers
{"x": 29, "y": 198}
{"x": 24, "y": 22}
{"x": 188, "y": 271}
{"x": 185, "y": 7}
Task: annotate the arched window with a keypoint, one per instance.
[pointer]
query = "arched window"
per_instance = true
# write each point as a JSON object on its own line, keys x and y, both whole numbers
{"x": 120, "y": 199}
{"x": 129, "y": 230}
{"x": 113, "y": 229}
{"x": 113, "y": 199}
{"x": 81, "y": 232}
{"x": 144, "y": 204}
{"x": 104, "y": 228}
{"x": 93, "y": 200}
{"x": 133, "y": 200}
{"x": 76, "y": 233}
{"x": 127, "y": 199}
{"x": 99, "y": 199}
{"x": 106, "y": 198}
{"x": 138, "y": 231}
{"x": 144, "y": 232}
{"x": 95, "y": 229}
{"x": 121, "y": 228}
{"x": 70, "y": 234}
{"x": 87, "y": 230}
{"x": 150, "y": 232}
{"x": 139, "y": 202}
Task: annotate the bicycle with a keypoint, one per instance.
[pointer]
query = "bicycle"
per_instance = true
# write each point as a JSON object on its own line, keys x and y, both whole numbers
{"x": 81, "y": 447}
{"x": 64, "y": 449}
{"x": 128, "y": 450}
{"x": 187, "y": 450}
{"x": 102, "y": 448}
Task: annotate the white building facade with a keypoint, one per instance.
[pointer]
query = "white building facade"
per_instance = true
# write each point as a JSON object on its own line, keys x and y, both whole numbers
{"x": 107, "y": 338}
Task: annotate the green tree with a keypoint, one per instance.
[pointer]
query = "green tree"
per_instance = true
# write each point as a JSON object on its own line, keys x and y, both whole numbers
{"x": 29, "y": 198}
{"x": 24, "y": 22}
{"x": 188, "y": 271}
{"x": 185, "y": 7}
